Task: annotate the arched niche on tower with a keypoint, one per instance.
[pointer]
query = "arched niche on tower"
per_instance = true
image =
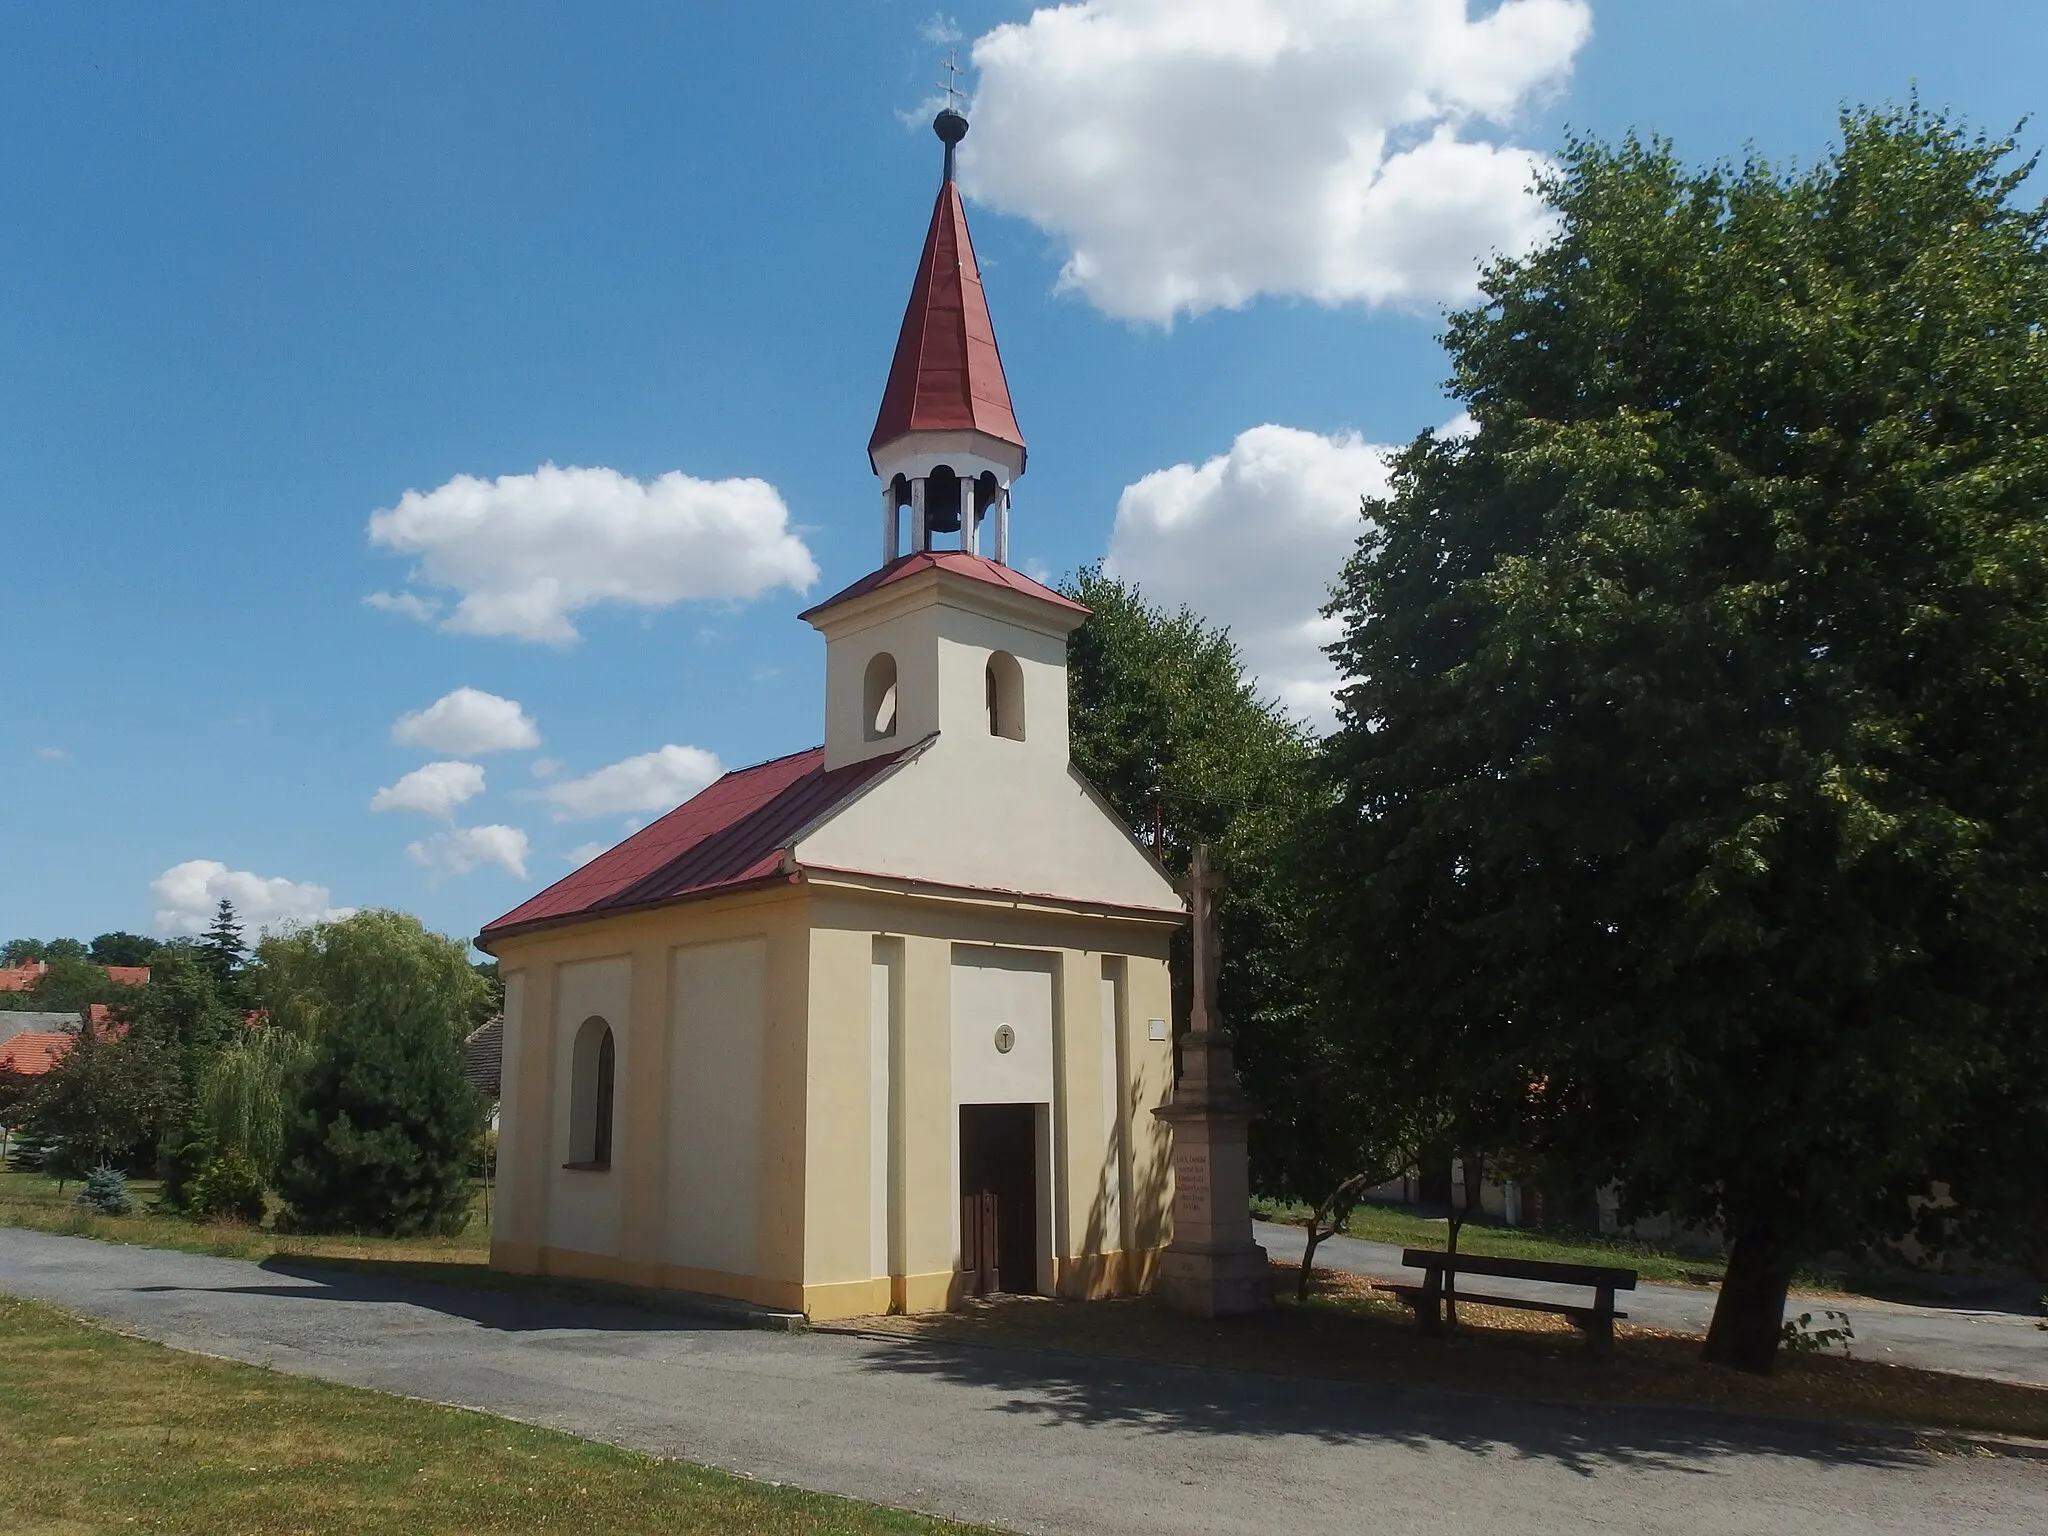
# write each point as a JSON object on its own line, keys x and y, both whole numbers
{"x": 878, "y": 698}
{"x": 1005, "y": 696}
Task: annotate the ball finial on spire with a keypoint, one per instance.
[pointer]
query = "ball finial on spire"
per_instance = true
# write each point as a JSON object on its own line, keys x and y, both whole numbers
{"x": 951, "y": 124}
{"x": 951, "y": 128}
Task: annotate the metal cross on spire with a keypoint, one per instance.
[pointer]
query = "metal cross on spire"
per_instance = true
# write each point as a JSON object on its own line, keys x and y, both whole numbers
{"x": 951, "y": 84}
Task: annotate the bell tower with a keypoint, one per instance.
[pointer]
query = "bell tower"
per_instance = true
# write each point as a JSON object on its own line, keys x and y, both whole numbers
{"x": 946, "y": 443}
{"x": 944, "y": 639}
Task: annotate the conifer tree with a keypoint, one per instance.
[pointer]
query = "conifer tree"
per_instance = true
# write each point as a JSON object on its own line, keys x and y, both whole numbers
{"x": 222, "y": 946}
{"x": 385, "y": 1119}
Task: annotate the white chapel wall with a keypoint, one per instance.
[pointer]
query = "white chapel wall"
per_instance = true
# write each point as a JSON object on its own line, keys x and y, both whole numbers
{"x": 993, "y": 988}
{"x": 908, "y": 639}
{"x": 959, "y": 815}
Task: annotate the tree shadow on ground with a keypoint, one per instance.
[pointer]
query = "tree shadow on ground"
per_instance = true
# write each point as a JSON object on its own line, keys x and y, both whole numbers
{"x": 1050, "y": 1387}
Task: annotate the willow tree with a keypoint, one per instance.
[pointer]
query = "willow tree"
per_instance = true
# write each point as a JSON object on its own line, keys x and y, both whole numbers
{"x": 1694, "y": 760}
{"x": 247, "y": 1092}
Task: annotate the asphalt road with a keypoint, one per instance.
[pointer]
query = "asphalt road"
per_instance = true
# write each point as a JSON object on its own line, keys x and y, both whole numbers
{"x": 1981, "y": 1341}
{"x": 1033, "y": 1442}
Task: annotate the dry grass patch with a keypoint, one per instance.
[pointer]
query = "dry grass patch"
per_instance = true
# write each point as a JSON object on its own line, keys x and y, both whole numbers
{"x": 1351, "y": 1331}
{"x": 33, "y": 1201}
{"x": 99, "y": 1432}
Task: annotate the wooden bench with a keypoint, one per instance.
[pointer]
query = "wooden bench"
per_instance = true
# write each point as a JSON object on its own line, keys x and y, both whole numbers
{"x": 1439, "y": 1284}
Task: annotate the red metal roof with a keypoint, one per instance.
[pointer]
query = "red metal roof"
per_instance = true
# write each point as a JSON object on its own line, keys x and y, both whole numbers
{"x": 33, "y": 1055}
{"x": 948, "y": 374}
{"x": 960, "y": 563}
{"x": 729, "y": 835}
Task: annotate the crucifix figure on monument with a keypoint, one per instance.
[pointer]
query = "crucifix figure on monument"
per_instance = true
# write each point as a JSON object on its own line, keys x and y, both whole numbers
{"x": 1201, "y": 888}
{"x": 1212, "y": 1268}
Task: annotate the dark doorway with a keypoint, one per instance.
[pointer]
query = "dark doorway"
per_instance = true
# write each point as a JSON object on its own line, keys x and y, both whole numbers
{"x": 999, "y": 1178}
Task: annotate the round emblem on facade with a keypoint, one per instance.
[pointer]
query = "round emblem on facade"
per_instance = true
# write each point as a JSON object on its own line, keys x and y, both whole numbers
{"x": 1005, "y": 1038}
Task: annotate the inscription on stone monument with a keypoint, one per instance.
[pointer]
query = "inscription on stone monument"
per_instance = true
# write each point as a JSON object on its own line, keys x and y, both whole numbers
{"x": 1191, "y": 1182}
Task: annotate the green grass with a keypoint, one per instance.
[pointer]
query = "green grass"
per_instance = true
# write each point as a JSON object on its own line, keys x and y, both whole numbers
{"x": 1652, "y": 1261}
{"x": 105, "y": 1433}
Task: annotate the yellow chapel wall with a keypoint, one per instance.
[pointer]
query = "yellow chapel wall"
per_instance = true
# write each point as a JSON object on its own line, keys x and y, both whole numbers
{"x": 705, "y": 1187}
{"x": 881, "y": 1188}
{"x": 808, "y": 1162}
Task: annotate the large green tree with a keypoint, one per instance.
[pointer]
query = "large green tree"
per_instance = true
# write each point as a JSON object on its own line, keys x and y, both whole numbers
{"x": 1168, "y": 724}
{"x": 1695, "y": 742}
{"x": 182, "y": 1009}
{"x": 70, "y": 985}
{"x": 121, "y": 948}
{"x": 106, "y": 1101}
{"x": 380, "y": 1138}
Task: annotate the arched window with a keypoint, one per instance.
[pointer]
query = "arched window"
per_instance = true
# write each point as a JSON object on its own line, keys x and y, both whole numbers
{"x": 1005, "y": 696}
{"x": 878, "y": 698}
{"x": 593, "y": 1069}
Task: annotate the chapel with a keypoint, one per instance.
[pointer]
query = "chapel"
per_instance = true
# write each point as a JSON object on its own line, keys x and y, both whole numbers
{"x": 879, "y": 1025}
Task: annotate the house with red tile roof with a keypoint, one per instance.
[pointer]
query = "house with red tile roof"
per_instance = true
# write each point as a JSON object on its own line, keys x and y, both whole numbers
{"x": 34, "y": 1053}
{"x": 23, "y": 978}
{"x": 880, "y": 1024}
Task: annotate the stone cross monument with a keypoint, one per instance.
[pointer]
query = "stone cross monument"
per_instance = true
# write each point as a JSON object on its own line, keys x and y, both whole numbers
{"x": 1213, "y": 1268}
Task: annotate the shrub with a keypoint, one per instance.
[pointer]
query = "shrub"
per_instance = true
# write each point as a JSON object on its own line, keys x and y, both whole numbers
{"x": 106, "y": 1191}
{"x": 29, "y": 1153}
{"x": 228, "y": 1186}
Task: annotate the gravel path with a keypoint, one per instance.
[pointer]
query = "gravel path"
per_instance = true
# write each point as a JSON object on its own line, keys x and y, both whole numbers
{"x": 1032, "y": 1442}
{"x": 1976, "y": 1342}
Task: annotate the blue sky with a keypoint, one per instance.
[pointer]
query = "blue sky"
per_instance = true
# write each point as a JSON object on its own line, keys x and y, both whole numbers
{"x": 264, "y": 270}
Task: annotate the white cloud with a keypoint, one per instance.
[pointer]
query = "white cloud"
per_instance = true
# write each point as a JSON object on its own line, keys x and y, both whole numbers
{"x": 1192, "y": 154}
{"x": 583, "y": 853}
{"x": 527, "y": 553}
{"x": 940, "y": 28}
{"x": 53, "y": 754}
{"x": 1252, "y": 539}
{"x": 434, "y": 790}
{"x": 653, "y": 781}
{"x": 546, "y": 767}
{"x": 462, "y": 849}
{"x": 187, "y": 895}
{"x": 411, "y": 604}
{"x": 468, "y": 721}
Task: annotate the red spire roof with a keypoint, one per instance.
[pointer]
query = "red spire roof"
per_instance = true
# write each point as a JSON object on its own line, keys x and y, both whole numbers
{"x": 948, "y": 375}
